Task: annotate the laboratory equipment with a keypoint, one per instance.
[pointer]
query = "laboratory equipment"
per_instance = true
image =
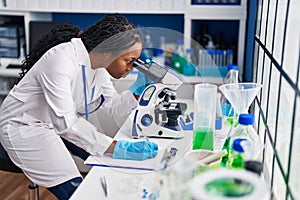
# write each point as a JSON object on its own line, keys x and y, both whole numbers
{"x": 203, "y": 156}
{"x": 233, "y": 74}
{"x": 204, "y": 160}
{"x": 104, "y": 185}
{"x": 168, "y": 156}
{"x": 189, "y": 68}
{"x": 210, "y": 45}
{"x": 240, "y": 95}
{"x": 159, "y": 56}
{"x": 148, "y": 49}
{"x": 158, "y": 111}
{"x": 178, "y": 59}
{"x": 205, "y": 103}
{"x": 228, "y": 184}
{"x": 245, "y": 130}
{"x": 130, "y": 184}
{"x": 230, "y": 54}
{"x": 231, "y": 77}
{"x": 237, "y": 159}
{"x": 227, "y": 109}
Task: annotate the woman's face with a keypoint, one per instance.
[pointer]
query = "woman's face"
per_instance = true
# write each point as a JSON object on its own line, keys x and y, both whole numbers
{"x": 121, "y": 66}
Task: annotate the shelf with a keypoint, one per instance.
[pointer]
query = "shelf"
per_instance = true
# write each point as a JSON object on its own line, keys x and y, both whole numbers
{"x": 99, "y": 6}
{"x": 217, "y": 12}
{"x": 130, "y": 7}
{"x": 13, "y": 73}
{"x": 34, "y": 10}
{"x": 186, "y": 79}
{"x": 131, "y": 11}
{"x": 3, "y": 93}
{"x": 220, "y": 12}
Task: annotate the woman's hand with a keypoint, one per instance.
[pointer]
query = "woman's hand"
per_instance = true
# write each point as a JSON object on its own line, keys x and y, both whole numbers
{"x": 140, "y": 84}
{"x": 140, "y": 150}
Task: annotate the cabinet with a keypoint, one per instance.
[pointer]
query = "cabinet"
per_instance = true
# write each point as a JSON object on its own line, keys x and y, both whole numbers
{"x": 34, "y": 10}
{"x": 6, "y": 83}
{"x": 12, "y": 40}
{"x": 15, "y": 38}
{"x": 219, "y": 13}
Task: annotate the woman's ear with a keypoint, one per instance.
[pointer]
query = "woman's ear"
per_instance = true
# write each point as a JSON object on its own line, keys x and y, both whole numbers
{"x": 107, "y": 55}
{"x": 79, "y": 33}
{"x": 98, "y": 60}
{"x": 110, "y": 57}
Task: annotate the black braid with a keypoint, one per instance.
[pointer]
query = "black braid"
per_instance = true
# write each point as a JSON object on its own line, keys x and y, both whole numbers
{"x": 98, "y": 37}
{"x": 112, "y": 33}
{"x": 58, "y": 34}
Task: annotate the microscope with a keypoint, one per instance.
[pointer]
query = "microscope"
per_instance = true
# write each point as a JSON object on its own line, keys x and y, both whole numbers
{"x": 158, "y": 111}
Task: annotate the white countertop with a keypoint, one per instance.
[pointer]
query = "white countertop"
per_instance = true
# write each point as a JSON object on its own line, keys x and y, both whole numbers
{"x": 117, "y": 178}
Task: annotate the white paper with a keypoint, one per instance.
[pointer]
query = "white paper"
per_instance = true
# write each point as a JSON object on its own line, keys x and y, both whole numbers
{"x": 183, "y": 145}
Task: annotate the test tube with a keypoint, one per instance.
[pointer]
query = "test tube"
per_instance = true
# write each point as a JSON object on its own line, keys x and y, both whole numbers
{"x": 210, "y": 55}
{"x": 224, "y": 60}
{"x": 229, "y": 57}
{"x": 201, "y": 61}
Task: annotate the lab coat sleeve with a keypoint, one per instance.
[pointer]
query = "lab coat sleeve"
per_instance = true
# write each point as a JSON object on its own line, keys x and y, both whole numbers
{"x": 121, "y": 104}
{"x": 115, "y": 104}
{"x": 89, "y": 139}
{"x": 55, "y": 77}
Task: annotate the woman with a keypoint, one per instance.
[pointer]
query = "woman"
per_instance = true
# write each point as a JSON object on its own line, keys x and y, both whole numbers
{"x": 64, "y": 79}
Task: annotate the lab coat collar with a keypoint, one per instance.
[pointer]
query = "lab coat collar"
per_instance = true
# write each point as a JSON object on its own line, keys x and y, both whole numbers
{"x": 83, "y": 58}
{"x": 82, "y": 54}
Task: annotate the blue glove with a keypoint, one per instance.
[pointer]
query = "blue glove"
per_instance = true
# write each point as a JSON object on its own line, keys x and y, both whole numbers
{"x": 135, "y": 150}
{"x": 140, "y": 84}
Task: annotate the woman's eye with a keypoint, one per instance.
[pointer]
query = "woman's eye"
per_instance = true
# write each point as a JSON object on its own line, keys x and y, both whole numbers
{"x": 129, "y": 61}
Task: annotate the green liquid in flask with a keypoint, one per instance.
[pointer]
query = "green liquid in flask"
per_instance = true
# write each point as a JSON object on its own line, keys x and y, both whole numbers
{"x": 203, "y": 138}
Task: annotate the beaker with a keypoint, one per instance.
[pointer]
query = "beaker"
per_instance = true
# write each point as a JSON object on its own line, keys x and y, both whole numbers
{"x": 205, "y": 96}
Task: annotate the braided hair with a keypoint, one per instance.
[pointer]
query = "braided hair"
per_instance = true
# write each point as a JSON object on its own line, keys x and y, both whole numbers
{"x": 114, "y": 32}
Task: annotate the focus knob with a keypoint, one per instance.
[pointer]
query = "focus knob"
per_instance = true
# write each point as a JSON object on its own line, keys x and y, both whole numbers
{"x": 146, "y": 120}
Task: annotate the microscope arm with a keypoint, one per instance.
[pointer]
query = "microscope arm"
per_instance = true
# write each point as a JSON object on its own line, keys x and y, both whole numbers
{"x": 159, "y": 74}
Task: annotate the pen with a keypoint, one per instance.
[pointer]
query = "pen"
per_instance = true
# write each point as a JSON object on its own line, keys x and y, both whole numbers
{"x": 144, "y": 135}
{"x": 104, "y": 185}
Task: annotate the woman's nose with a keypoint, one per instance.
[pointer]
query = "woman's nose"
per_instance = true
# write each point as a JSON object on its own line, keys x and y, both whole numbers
{"x": 130, "y": 68}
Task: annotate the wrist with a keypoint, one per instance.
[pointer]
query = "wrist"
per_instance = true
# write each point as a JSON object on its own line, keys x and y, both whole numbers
{"x": 137, "y": 97}
{"x": 111, "y": 148}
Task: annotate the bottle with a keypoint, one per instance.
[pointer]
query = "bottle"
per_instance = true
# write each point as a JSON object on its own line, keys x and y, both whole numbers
{"x": 148, "y": 46}
{"x": 159, "y": 57}
{"x": 178, "y": 57}
{"x": 229, "y": 57}
{"x": 220, "y": 41}
{"x": 168, "y": 57}
{"x": 228, "y": 112}
{"x": 230, "y": 77}
{"x": 189, "y": 69}
{"x": 210, "y": 45}
{"x": 163, "y": 43}
{"x": 245, "y": 130}
{"x": 237, "y": 159}
{"x": 201, "y": 38}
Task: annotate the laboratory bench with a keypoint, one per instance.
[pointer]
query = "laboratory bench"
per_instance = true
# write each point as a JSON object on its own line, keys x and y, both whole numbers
{"x": 128, "y": 179}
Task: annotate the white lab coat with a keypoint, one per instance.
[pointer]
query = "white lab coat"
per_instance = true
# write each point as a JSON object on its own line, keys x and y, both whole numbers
{"x": 44, "y": 106}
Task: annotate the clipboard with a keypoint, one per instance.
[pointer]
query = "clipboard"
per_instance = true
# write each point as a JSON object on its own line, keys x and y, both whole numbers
{"x": 182, "y": 145}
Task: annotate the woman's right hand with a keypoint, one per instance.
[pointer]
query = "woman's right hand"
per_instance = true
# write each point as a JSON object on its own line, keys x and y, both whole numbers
{"x": 140, "y": 150}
